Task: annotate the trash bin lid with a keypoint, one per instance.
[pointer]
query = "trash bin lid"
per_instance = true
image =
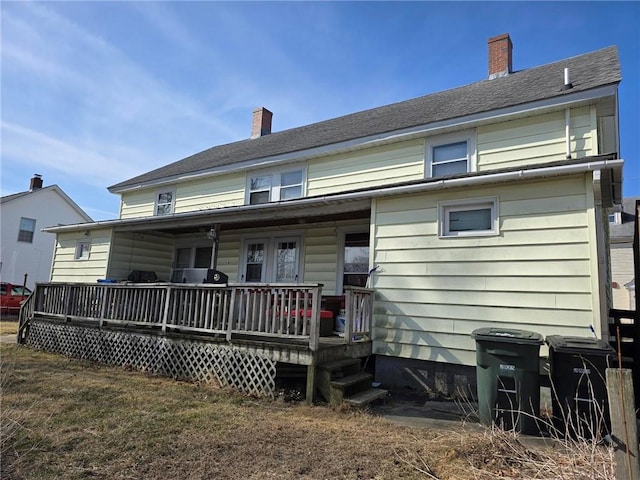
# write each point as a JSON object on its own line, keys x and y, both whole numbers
{"x": 584, "y": 345}
{"x": 507, "y": 335}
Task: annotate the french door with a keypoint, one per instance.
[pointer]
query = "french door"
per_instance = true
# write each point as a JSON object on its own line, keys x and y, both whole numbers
{"x": 271, "y": 260}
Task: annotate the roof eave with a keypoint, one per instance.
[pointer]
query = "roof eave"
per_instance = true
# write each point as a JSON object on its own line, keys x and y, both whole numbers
{"x": 189, "y": 218}
{"x": 562, "y": 100}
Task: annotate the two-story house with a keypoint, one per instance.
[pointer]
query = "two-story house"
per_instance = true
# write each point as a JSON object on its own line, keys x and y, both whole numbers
{"x": 483, "y": 205}
{"x": 621, "y": 225}
{"x": 26, "y": 249}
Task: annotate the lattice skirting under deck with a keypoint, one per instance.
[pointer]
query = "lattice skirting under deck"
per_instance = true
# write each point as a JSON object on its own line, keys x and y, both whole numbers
{"x": 184, "y": 359}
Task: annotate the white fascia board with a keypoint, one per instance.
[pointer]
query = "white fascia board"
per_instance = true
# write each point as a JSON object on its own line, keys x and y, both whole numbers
{"x": 193, "y": 218}
{"x": 466, "y": 121}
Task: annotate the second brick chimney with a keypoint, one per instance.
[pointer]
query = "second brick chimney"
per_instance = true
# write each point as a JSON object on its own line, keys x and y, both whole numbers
{"x": 500, "y": 56}
{"x": 261, "y": 122}
{"x": 36, "y": 182}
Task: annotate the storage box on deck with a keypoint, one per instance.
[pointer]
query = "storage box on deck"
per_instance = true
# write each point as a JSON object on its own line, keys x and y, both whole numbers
{"x": 326, "y": 320}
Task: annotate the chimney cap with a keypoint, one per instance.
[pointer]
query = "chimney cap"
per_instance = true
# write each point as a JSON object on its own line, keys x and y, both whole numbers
{"x": 499, "y": 37}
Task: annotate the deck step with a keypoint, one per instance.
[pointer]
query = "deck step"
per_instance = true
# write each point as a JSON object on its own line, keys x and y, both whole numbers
{"x": 340, "y": 364}
{"x": 351, "y": 380}
{"x": 364, "y": 398}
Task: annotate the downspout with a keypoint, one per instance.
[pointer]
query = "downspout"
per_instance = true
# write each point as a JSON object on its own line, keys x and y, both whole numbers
{"x": 567, "y": 114}
{"x": 567, "y": 130}
{"x": 602, "y": 301}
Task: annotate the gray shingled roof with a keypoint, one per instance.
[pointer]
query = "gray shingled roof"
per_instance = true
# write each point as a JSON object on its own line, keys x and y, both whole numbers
{"x": 624, "y": 230}
{"x": 588, "y": 71}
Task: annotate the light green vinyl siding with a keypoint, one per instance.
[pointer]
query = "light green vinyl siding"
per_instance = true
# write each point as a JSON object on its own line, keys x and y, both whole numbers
{"x": 535, "y": 275}
{"x": 229, "y": 254}
{"x": 66, "y": 268}
{"x": 216, "y": 192}
{"x": 321, "y": 252}
{"x": 533, "y": 140}
{"x": 385, "y": 165}
{"x": 137, "y": 204}
{"x": 140, "y": 251}
{"x": 321, "y": 257}
{"x": 190, "y": 196}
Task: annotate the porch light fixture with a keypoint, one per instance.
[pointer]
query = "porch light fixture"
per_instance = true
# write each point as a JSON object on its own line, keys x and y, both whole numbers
{"x": 212, "y": 234}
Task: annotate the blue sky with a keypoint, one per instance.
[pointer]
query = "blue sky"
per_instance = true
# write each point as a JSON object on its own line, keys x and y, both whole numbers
{"x": 94, "y": 93}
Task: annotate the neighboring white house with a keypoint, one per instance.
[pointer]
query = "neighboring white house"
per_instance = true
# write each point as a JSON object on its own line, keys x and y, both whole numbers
{"x": 26, "y": 249}
{"x": 621, "y": 223}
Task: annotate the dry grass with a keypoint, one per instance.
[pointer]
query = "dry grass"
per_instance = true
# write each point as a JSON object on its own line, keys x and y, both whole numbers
{"x": 8, "y": 327}
{"x": 73, "y": 419}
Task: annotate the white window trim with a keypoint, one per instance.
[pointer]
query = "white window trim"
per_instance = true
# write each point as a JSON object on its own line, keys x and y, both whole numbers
{"x": 468, "y": 136}
{"x": 160, "y": 191}
{"x": 274, "y": 189}
{"x": 270, "y": 241}
{"x": 446, "y": 207}
{"x": 77, "y": 255}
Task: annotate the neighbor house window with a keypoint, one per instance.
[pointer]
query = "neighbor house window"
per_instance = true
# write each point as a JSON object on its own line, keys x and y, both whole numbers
{"x": 468, "y": 218}
{"x": 165, "y": 202}
{"x": 82, "y": 250}
{"x": 275, "y": 186}
{"x": 450, "y": 155}
{"x": 27, "y": 228}
{"x": 615, "y": 217}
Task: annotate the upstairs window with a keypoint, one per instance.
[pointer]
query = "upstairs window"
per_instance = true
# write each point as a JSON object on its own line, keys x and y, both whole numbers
{"x": 450, "y": 155}
{"x": 27, "y": 229}
{"x": 165, "y": 200}
{"x": 275, "y": 186}
{"x": 449, "y": 159}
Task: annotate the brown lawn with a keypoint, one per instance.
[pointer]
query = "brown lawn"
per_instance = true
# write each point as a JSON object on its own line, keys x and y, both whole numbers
{"x": 73, "y": 419}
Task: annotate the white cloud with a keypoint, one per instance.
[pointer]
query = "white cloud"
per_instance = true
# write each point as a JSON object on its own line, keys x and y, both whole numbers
{"x": 42, "y": 151}
{"x": 160, "y": 16}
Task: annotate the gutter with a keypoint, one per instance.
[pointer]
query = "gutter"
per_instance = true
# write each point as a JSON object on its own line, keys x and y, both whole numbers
{"x": 443, "y": 184}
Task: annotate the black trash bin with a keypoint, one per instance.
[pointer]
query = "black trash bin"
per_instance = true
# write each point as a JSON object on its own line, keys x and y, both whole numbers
{"x": 508, "y": 378}
{"x": 578, "y": 385}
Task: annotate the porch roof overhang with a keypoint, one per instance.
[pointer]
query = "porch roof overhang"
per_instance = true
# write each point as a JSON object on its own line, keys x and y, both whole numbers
{"x": 352, "y": 204}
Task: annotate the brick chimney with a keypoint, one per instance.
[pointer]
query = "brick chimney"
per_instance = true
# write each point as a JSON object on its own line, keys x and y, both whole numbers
{"x": 36, "y": 182}
{"x": 500, "y": 56}
{"x": 261, "y": 122}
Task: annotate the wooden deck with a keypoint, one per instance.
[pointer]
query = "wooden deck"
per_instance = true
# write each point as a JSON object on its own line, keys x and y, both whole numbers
{"x": 264, "y": 323}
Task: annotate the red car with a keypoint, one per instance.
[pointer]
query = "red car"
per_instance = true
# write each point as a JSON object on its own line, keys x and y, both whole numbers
{"x": 12, "y": 297}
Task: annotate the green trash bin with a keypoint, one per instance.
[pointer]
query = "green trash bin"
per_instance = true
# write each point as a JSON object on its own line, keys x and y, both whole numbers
{"x": 579, "y": 388}
{"x": 508, "y": 380}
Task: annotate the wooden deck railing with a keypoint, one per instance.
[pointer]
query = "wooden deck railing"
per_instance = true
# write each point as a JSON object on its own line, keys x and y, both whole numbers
{"x": 279, "y": 311}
